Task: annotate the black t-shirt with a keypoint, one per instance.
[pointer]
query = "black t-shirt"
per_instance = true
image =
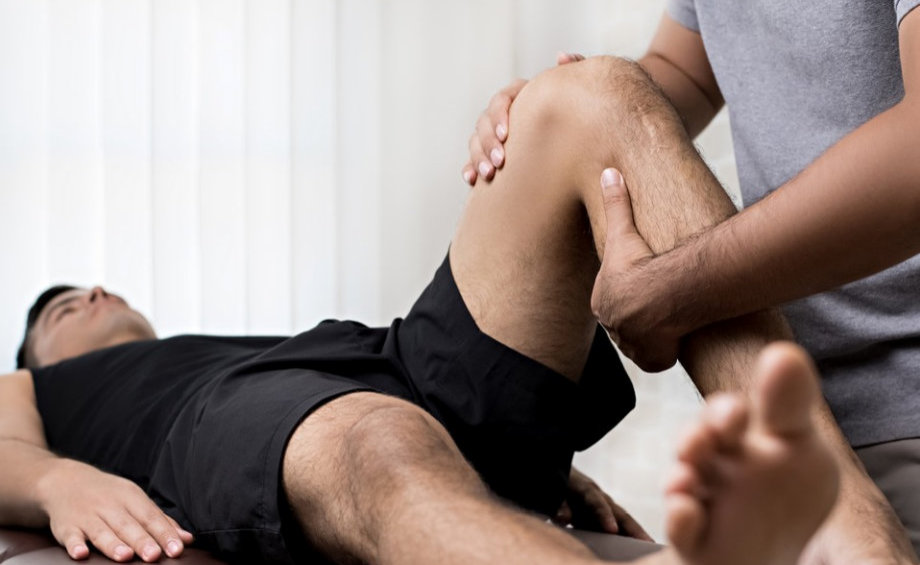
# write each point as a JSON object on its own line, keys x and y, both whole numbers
{"x": 114, "y": 407}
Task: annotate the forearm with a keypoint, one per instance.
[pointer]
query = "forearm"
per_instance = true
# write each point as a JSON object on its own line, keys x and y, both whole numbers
{"x": 25, "y": 467}
{"x": 694, "y": 107}
{"x": 850, "y": 214}
{"x": 675, "y": 196}
{"x": 26, "y": 459}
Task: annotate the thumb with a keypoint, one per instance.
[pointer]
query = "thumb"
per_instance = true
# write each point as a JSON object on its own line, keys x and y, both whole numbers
{"x": 622, "y": 234}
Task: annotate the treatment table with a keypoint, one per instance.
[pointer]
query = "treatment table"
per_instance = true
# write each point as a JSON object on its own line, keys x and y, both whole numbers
{"x": 31, "y": 547}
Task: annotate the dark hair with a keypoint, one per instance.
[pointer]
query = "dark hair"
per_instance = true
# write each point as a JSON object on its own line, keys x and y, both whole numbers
{"x": 24, "y": 358}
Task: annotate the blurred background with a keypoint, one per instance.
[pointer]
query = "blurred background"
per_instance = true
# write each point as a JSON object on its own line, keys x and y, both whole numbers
{"x": 256, "y": 166}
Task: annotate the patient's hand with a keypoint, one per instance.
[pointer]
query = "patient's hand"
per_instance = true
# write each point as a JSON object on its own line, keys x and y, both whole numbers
{"x": 86, "y": 505}
{"x": 487, "y": 153}
{"x": 588, "y": 507}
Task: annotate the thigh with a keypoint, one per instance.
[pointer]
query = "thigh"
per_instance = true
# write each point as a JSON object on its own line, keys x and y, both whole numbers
{"x": 523, "y": 255}
{"x": 346, "y": 464}
{"x": 895, "y": 468}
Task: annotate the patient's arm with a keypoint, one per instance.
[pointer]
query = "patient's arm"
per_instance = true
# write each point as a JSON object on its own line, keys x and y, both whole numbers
{"x": 79, "y": 502}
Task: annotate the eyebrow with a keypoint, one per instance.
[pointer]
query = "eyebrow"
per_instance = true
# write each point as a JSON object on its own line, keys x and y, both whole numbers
{"x": 50, "y": 312}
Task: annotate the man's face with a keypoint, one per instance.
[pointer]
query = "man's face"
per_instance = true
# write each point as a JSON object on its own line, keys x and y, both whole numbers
{"x": 79, "y": 321}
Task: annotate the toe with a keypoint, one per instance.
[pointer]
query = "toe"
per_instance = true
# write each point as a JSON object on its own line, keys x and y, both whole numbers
{"x": 685, "y": 522}
{"x": 787, "y": 391}
{"x": 685, "y": 479}
{"x": 727, "y": 416}
{"x": 698, "y": 445}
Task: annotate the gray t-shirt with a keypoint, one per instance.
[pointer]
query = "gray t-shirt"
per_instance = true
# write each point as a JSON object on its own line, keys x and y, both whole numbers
{"x": 797, "y": 77}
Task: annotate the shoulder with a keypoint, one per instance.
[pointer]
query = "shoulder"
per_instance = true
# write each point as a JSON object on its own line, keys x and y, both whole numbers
{"x": 17, "y": 383}
{"x": 16, "y": 392}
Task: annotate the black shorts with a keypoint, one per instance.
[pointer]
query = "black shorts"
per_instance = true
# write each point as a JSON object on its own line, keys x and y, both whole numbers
{"x": 516, "y": 421}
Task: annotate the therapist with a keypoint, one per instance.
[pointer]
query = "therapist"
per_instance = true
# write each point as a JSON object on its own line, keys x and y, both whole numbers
{"x": 824, "y": 99}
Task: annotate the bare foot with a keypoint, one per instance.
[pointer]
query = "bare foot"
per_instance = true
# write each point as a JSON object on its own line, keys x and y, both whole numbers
{"x": 753, "y": 482}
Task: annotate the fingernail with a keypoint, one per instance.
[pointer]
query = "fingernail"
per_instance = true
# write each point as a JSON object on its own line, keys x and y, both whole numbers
{"x": 173, "y": 548}
{"x": 611, "y": 178}
{"x": 468, "y": 176}
{"x": 484, "y": 168}
{"x": 497, "y": 157}
{"x": 122, "y": 551}
{"x": 501, "y": 131}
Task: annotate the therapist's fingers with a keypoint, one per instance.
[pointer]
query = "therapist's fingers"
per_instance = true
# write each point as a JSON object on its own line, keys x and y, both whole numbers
{"x": 565, "y": 58}
{"x": 469, "y": 174}
{"x": 498, "y": 111}
{"x": 484, "y": 168}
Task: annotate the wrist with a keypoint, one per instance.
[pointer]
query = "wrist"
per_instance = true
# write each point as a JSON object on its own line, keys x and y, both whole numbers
{"x": 51, "y": 480}
{"x": 673, "y": 299}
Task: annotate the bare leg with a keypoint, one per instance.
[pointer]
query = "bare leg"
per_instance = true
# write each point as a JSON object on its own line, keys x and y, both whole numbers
{"x": 524, "y": 261}
{"x": 372, "y": 479}
{"x": 525, "y": 254}
{"x": 754, "y": 480}
{"x": 375, "y": 480}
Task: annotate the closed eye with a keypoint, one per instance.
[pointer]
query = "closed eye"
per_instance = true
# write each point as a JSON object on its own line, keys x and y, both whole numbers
{"x": 64, "y": 312}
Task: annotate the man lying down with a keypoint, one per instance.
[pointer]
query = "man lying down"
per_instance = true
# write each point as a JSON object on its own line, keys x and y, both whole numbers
{"x": 445, "y": 438}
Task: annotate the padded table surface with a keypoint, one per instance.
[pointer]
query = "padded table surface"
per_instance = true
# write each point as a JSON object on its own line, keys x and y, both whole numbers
{"x": 30, "y": 547}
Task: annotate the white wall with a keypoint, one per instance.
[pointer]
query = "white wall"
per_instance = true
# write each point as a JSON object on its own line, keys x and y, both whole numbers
{"x": 253, "y": 166}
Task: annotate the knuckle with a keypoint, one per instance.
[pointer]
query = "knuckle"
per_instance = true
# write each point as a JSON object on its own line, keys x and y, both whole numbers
{"x": 70, "y": 537}
{"x": 105, "y": 541}
{"x": 614, "y": 198}
{"x": 162, "y": 530}
{"x": 502, "y": 100}
{"x": 148, "y": 516}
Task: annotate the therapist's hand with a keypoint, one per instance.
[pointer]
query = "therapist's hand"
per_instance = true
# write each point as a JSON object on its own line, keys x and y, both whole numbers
{"x": 85, "y": 505}
{"x": 624, "y": 299}
{"x": 487, "y": 152}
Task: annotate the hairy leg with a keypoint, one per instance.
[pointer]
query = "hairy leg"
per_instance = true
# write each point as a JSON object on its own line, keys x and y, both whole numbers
{"x": 525, "y": 264}
{"x": 525, "y": 255}
{"x": 754, "y": 480}
{"x": 372, "y": 479}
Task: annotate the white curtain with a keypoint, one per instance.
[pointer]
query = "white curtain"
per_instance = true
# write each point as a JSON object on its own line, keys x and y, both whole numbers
{"x": 254, "y": 166}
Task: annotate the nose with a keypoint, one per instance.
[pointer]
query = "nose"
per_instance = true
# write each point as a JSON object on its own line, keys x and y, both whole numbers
{"x": 96, "y": 293}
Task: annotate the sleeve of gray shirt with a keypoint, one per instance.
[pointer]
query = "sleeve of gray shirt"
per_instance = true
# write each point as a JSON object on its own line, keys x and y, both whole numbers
{"x": 902, "y": 7}
{"x": 684, "y": 12}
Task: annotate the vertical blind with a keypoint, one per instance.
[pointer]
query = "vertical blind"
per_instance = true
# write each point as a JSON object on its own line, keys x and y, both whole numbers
{"x": 253, "y": 166}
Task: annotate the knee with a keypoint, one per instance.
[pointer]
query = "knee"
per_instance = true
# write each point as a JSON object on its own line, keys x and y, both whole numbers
{"x": 392, "y": 440}
{"x": 606, "y": 93}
